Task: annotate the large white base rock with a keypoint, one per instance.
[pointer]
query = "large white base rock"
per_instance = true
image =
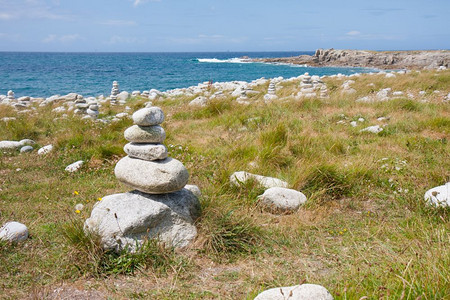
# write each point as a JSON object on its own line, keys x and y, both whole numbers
{"x": 439, "y": 196}
{"x": 128, "y": 219}
{"x": 241, "y": 177}
{"x": 281, "y": 200}
{"x": 296, "y": 292}
{"x": 153, "y": 177}
{"x": 14, "y": 232}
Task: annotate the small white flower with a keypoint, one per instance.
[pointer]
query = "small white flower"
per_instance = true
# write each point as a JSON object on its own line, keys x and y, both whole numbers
{"x": 79, "y": 206}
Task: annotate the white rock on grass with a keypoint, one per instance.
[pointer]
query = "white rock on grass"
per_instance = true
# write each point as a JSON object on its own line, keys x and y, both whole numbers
{"x": 241, "y": 177}
{"x": 194, "y": 189}
{"x": 372, "y": 129}
{"x": 439, "y": 196}
{"x": 148, "y": 116}
{"x": 281, "y": 200}
{"x": 75, "y": 166}
{"x": 14, "y": 232}
{"x": 14, "y": 145}
{"x": 153, "y": 177}
{"x": 25, "y": 149}
{"x": 296, "y": 292}
{"x": 199, "y": 101}
{"x": 45, "y": 149}
{"x": 128, "y": 219}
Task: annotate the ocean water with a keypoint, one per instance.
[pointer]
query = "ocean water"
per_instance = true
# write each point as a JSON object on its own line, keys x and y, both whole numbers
{"x": 91, "y": 74}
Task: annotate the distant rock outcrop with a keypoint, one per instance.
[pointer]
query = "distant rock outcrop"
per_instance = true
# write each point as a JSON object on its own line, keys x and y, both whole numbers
{"x": 371, "y": 59}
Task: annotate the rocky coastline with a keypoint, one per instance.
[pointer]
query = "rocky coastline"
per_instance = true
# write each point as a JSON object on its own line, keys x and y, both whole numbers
{"x": 431, "y": 59}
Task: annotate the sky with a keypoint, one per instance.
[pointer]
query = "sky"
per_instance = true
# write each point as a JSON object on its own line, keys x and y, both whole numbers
{"x": 222, "y": 25}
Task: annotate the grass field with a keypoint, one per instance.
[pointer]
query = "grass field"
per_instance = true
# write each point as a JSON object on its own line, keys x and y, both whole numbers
{"x": 364, "y": 231}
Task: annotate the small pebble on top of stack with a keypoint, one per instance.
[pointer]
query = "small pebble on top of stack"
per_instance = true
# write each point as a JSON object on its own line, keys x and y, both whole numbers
{"x": 147, "y": 167}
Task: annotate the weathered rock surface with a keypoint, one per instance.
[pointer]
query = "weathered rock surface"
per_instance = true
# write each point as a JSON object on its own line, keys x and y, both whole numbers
{"x": 129, "y": 219}
{"x": 296, "y": 292}
{"x": 373, "y": 129}
{"x": 45, "y": 149}
{"x": 281, "y": 200}
{"x": 146, "y": 151}
{"x": 14, "y": 232}
{"x": 25, "y": 149}
{"x": 153, "y": 177}
{"x": 145, "y": 134}
{"x": 14, "y": 145}
{"x": 371, "y": 59}
{"x": 241, "y": 177}
{"x": 439, "y": 196}
{"x": 148, "y": 116}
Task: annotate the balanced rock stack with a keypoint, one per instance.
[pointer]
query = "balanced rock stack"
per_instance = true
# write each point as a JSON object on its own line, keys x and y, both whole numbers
{"x": 114, "y": 92}
{"x": 80, "y": 106}
{"x": 10, "y": 96}
{"x": 324, "y": 92}
{"x": 306, "y": 87}
{"x": 92, "y": 111}
{"x": 271, "y": 93}
{"x": 160, "y": 206}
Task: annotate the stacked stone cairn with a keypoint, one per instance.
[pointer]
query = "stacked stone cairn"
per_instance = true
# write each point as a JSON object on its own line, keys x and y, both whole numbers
{"x": 92, "y": 111}
{"x": 324, "y": 92}
{"x": 80, "y": 106}
{"x": 306, "y": 87}
{"x": 10, "y": 96}
{"x": 271, "y": 93}
{"x": 114, "y": 92}
{"x": 161, "y": 206}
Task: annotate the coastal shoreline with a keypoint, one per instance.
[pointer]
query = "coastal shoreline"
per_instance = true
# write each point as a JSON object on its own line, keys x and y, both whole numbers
{"x": 385, "y": 60}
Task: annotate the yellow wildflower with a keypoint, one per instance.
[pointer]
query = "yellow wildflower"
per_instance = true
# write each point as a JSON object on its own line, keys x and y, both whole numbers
{"x": 75, "y": 193}
{"x": 99, "y": 199}
{"x": 77, "y": 211}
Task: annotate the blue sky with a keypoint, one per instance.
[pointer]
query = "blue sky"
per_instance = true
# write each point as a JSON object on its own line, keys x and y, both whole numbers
{"x": 214, "y": 25}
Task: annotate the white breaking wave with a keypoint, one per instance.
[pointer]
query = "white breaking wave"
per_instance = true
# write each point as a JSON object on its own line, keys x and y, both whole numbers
{"x": 234, "y": 60}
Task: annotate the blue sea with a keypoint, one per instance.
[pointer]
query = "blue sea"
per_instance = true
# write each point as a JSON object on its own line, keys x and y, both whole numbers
{"x": 91, "y": 74}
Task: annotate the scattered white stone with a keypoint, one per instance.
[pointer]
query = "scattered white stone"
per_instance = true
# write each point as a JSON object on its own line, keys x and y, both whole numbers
{"x": 361, "y": 119}
{"x": 122, "y": 115}
{"x": 45, "y": 150}
{"x": 25, "y": 149}
{"x": 75, "y": 166}
{"x": 199, "y": 101}
{"x": 241, "y": 177}
{"x": 14, "y": 232}
{"x": 296, "y": 292}
{"x": 384, "y": 94}
{"x": 14, "y": 145}
{"x": 194, "y": 189}
{"x": 281, "y": 200}
{"x": 353, "y": 123}
{"x": 372, "y": 129}
{"x": 390, "y": 75}
{"x": 439, "y": 196}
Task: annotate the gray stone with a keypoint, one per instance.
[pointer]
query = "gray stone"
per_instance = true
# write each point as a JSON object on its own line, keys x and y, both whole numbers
{"x": 14, "y": 232}
{"x": 128, "y": 219}
{"x": 75, "y": 166}
{"x": 281, "y": 200}
{"x": 145, "y": 134}
{"x": 154, "y": 177}
{"x": 199, "y": 101}
{"x": 148, "y": 116}
{"x": 123, "y": 96}
{"x": 296, "y": 292}
{"x": 45, "y": 149}
{"x": 194, "y": 189}
{"x": 372, "y": 129}
{"x": 26, "y": 149}
{"x": 439, "y": 196}
{"x": 14, "y": 145}
{"x": 241, "y": 177}
{"x": 146, "y": 151}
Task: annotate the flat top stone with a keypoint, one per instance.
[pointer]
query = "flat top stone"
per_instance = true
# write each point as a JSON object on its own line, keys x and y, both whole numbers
{"x": 148, "y": 116}
{"x": 145, "y": 134}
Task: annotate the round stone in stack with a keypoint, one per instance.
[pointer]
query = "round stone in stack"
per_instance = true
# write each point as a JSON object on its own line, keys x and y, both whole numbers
{"x": 145, "y": 134}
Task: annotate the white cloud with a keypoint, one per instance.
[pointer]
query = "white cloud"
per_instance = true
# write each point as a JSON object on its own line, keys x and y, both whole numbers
{"x": 353, "y": 33}
{"x": 118, "y": 23}
{"x": 67, "y": 38}
{"x": 116, "y": 39}
{"x": 203, "y": 38}
{"x": 6, "y": 16}
{"x": 139, "y": 2}
{"x": 34, "y": 9}
{"x": 357, "y": 35}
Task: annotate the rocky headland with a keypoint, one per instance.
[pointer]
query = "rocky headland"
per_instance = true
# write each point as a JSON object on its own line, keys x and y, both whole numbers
{"x": 368, "y": 59}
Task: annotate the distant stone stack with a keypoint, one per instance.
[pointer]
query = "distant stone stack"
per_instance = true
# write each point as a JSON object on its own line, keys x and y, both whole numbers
{"x": 80, "y": 107}
{"x": 271, "y": 93}
{"x": 161, "y": 206}
{"x": 114, "y": 92}
{"x": 324, "y": 92}
{"x": 10, "y": 96}
{"x": 306, "y": 87}
{"x": 92, "y": 111}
